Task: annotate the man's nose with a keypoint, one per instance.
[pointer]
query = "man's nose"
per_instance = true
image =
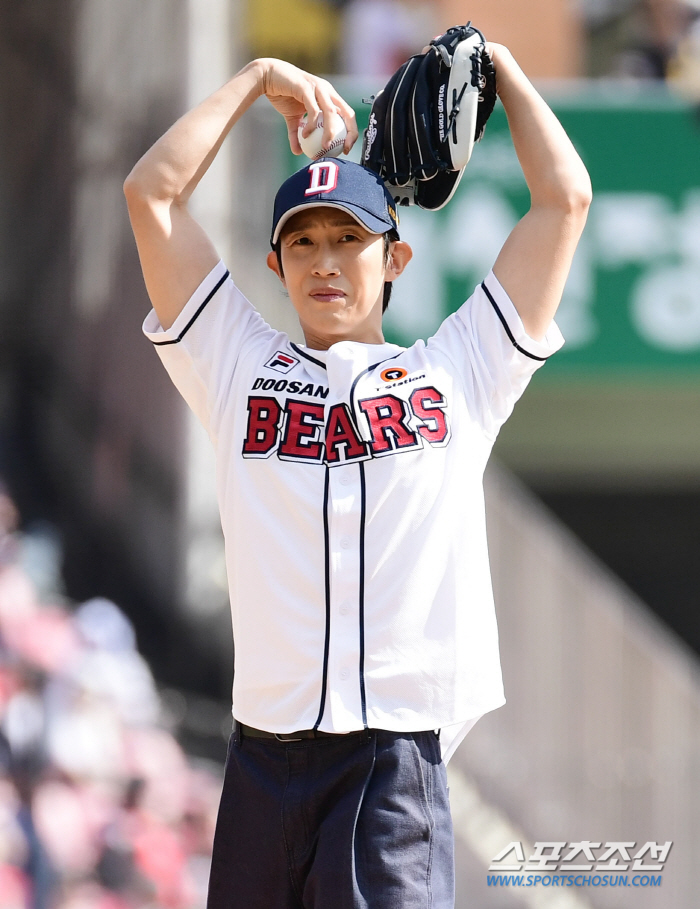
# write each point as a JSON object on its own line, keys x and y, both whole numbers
{"x": 325, "y": 262}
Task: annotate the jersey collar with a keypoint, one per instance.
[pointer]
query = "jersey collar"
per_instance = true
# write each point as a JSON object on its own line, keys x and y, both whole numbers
{"x": 374, "y": 353}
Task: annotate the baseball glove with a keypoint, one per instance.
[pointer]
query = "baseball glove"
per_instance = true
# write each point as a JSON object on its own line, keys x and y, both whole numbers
{"x": 425, "y": 121}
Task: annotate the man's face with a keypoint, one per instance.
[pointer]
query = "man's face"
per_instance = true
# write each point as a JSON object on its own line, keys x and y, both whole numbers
{"x": 334, "y": 271}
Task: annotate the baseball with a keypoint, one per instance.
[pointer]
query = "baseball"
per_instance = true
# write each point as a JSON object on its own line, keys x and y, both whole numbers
{"x": 311, "y": 145}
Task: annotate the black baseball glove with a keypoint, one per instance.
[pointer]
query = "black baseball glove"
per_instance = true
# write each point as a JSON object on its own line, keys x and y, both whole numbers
{"x": 425, "y": 121}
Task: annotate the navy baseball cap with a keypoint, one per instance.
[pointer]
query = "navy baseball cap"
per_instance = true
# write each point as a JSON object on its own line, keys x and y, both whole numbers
{"x": 336, "y": 183}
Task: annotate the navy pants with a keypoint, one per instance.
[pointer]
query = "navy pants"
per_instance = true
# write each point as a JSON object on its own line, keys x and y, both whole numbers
{"x": 357, "y": 821}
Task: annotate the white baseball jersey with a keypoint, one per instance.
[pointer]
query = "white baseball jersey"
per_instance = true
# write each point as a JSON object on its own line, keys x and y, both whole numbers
{"x": 350, "y": 490}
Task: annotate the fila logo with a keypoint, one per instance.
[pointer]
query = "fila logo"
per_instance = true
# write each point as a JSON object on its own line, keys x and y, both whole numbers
{"x": 324, "y": 177}
{"x": 281, "y": 362}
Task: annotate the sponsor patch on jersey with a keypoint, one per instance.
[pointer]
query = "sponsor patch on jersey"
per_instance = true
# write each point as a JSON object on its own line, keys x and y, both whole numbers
{"x": 394, "y": 377}
{"x": 282, "y": 362}
{"x": 393, "y": 374}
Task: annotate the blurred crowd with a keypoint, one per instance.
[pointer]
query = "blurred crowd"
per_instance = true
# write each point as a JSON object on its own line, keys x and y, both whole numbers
{"x": 645, "y": 39}
{"x": 635, "y": 39}
{"x": 99, "y": 806}
{"x": 353, "y": 37}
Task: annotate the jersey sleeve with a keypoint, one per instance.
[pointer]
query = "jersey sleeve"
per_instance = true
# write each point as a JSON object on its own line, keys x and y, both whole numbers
{"x": 202, "y": 348}
{"x": 486, "y": 342}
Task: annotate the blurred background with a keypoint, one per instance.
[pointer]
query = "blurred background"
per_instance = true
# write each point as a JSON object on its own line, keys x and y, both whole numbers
{"x": 115, "y": 642}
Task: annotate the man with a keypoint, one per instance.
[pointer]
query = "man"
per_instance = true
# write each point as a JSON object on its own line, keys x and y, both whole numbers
{"x": 349, "y": 478}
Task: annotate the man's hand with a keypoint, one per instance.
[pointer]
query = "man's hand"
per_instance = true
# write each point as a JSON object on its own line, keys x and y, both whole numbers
{"x": 294, "y": 92}
{"x": 176, "y": 254}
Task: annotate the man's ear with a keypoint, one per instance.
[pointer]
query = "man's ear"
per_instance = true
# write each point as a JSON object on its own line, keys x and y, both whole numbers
{"x": 274, "y": 265}
{"x": 400, "y": 254}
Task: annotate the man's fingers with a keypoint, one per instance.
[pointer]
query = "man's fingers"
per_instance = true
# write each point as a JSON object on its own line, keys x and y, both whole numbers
{"x": 348, "y": 115}
{"x": 318, "y": 98}
{"x": 309, "y": 124}
{"x": 353, "y": 132}
{"x": 329, "y": 109}
{"x": 308, "y": 99}
{"x": 293, "y": 133}
{"x": 338, "y": 108}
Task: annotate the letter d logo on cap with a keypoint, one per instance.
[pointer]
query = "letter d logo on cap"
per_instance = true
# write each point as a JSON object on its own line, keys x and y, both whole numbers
{"x": 324, "y": 177}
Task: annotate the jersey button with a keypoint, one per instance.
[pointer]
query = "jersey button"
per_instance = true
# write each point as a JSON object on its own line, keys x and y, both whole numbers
{"x": 344, "y": 674}
{"x": 345, "y": 608}
{"x": 345, "y": 543}
{"x": 345, "y": 479}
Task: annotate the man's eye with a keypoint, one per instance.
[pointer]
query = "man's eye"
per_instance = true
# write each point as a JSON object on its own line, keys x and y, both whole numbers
{"x": 302, "y": 241}
{"x": 346, "y": 237}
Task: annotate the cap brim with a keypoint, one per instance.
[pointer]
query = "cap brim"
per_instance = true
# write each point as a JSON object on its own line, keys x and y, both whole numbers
{"x": 369, "y": 221}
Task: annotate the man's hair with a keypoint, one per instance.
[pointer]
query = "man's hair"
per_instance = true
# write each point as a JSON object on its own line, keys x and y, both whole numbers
{"x": 389, "y": 237}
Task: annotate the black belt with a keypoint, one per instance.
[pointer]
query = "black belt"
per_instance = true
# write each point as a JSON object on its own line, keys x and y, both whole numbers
{"x": 253, "y": 733}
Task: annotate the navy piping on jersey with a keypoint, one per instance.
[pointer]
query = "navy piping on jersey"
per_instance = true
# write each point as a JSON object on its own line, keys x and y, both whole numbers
{"x": 363, "y": 510}
{"x": 508, "y": 331}
{"x": 307, "y": 356}
{"x": 326, "y": 543}
{"x": 194, "y": 317}
{"x": 327, "y": 553}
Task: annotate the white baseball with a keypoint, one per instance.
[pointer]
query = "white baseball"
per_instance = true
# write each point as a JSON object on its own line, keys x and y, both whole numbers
{"x": 311, "y": 145}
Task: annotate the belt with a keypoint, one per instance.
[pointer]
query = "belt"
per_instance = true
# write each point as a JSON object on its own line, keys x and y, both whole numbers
{"x": 253, "y": 733}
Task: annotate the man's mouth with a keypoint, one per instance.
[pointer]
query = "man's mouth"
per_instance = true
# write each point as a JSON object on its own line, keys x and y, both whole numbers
{"x": 327, "y": 294}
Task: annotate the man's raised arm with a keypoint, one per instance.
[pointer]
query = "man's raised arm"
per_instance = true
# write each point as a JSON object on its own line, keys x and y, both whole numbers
{"x": 175, "y": 252}
{"x": 535, "y": 260}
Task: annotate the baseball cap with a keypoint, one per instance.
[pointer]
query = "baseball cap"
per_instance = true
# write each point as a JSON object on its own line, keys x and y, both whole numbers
{"x": 336, "y": 183}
